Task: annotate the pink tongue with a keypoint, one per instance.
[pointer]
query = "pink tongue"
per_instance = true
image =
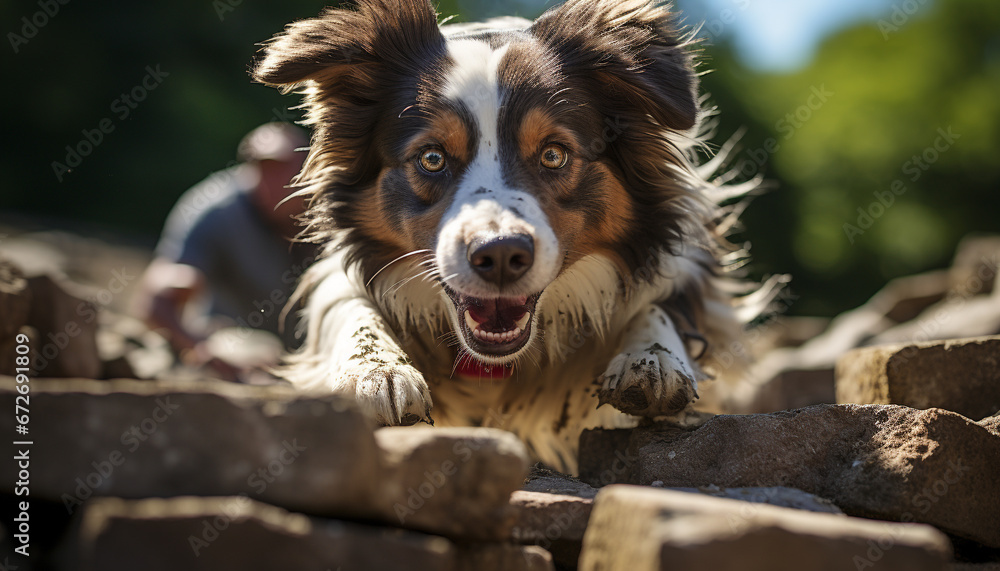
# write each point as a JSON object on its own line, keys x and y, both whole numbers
{"x": 472, "y": 368}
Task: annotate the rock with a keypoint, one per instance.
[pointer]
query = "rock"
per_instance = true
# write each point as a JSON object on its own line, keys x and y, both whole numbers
{"x": 880, "y": 461}
{"x": 245, "y": 348}
{"x": 452, "y": 481}
{"x": 786, "y": 331}
{"x": 135, "y": 439}
{"x": 974, "y": 269}
{"x": 239, "y": 533}
{"x": 776, "y": 496}
{"x": 793, "y": 388}
{"x": 65, "y": 343}
{"x": 904, "y": 298}
{"x": 501, "y": 557}
{"x": 991, "y": 423}
{"x": 554, "y": 509}
{"x": 130, "y": 350}
{"x": 645, "y": 529}
{"x": 961, "y": 375}
{"x": 15, "y": 304}
{"x": 554, "y": 522}
{"x": 954, "y": 317}
{"x": 544, "y": 480}
{"x": 791, "y": 377}
{"x": 97, "y": 269}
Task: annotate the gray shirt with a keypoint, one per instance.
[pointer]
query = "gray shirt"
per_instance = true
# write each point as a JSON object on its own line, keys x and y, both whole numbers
{"x": 250, "y": 270}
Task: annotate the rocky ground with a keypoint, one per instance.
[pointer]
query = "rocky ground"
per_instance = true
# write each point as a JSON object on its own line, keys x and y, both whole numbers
{"x": 871, "y": 441}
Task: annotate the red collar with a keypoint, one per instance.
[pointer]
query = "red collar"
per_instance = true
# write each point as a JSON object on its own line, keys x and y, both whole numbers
{"x": 471, "y": 368}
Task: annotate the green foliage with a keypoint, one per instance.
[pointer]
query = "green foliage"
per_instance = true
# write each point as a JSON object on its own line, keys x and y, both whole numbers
{"x": 895, "y": 95}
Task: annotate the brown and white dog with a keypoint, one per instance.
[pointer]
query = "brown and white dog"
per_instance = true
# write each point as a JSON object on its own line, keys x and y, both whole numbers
{"x": 516, "y": 228}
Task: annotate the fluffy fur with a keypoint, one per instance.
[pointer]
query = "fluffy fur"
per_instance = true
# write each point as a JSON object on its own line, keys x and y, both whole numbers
{"x": 625, "y": 301}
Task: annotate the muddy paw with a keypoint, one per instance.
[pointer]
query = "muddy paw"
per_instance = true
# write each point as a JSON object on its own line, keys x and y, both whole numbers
{"x": 394, "y": 395}
{"x": 650, "y": 382}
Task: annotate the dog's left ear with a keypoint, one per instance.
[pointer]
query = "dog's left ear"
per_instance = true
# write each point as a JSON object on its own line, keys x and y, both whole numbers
{"x": 629, "y": 51}
{"x": 343, "y": 47}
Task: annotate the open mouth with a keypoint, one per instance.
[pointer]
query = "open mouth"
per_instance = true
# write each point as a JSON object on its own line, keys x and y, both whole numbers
{"x": 495, "y": 327}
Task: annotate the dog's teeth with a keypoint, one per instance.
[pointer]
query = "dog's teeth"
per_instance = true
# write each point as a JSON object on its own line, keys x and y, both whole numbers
{"x": 496, "y": 336}
{"x": 523, "y": 322}
{"x": 472, "y": 323}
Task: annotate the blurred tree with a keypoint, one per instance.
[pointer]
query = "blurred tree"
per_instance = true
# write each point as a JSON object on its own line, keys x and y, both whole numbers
{"x": 886, "y": 150}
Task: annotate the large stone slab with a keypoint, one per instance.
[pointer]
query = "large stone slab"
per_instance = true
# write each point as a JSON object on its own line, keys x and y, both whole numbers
{"x": 553, "y": 509}
{"x": 777, "y": 496}
{"x": 961, "y": 375}
{"x": 645, "y": 529}
{"x": 64, "y": 343}
{"x": 452, "y": 481}
{"x": 135, "y": 439}
{"x": 881, "y": 461}
{"x": 554, "y": 522}
{"x": 501, "y": 557}
{"x": 238, "y": 533}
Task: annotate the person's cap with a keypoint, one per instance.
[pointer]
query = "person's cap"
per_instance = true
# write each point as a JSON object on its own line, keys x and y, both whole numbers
{"x": 272, "y": 141}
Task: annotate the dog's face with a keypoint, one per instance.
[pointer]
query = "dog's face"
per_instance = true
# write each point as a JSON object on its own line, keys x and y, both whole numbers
{"x": 502, "y": 156}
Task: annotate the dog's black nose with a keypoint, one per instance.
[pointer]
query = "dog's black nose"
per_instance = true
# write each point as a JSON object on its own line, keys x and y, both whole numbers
{"x": 502, "y": 260}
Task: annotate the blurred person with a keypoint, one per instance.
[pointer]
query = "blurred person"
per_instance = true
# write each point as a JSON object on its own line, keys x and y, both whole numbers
{"x": 227, "y": 258}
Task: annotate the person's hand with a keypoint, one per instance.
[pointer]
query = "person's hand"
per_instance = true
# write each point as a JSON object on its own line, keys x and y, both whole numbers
{"x": 200, "y": 357}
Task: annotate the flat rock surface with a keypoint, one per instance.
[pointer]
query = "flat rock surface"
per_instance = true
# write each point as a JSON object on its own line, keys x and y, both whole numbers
{"x": 880, "y": 461}
{"x": 776, "y": 496}
{"x": 135, "y": 439}
{"x": 961, "y": 375}
{"x": 452, "y": 481}
{"x": 238, "y": 533}
{"x": 541, "y": 479}
{"x": 644, "y": 529}
{"x": 499, "y": 557}
{"x": 554, "y": 522}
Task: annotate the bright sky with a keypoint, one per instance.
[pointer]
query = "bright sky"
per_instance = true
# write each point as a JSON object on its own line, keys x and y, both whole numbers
{"x": 782, "y": 35}
{"x": 771, "y": 35}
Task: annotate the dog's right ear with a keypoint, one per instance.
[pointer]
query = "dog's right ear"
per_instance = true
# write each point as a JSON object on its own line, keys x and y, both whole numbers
{"x": 347, "y": 43}
{"x": 632, "y": 54}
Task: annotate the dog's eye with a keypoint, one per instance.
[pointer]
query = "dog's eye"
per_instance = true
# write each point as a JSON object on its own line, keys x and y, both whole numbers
{"x": 432, "y": 160}
{"x": 554, "y": 156}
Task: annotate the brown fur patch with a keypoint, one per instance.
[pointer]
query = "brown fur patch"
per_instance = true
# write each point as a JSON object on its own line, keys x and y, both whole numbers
{"x": 447, "y": 130}
{"x": 617, "y": 218}
{"x": 610, "y": 204}
{"x": 537, "y": 129}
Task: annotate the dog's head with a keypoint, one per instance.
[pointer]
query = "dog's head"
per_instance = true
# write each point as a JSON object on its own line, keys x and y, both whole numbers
{"x": 502, "y": 155}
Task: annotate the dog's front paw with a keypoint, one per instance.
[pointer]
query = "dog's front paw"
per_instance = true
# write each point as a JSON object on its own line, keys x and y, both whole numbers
{"x": 649, "y": 382}
{"x": 394, "y": 395}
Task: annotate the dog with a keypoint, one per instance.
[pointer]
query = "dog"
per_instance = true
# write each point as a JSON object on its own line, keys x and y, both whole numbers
{"x": 516, "y": 228}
